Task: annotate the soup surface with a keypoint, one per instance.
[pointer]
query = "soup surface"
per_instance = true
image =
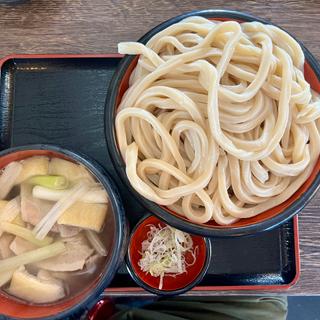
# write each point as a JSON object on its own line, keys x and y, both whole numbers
{"x": 54, "y": 235}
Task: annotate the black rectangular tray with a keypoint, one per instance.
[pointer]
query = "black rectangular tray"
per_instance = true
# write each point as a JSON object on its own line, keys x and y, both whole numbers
{"x": 60, "y": 100}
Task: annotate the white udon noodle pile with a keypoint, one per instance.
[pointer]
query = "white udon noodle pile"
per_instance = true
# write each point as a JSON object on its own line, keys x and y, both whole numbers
{"x": 218, "y": 121}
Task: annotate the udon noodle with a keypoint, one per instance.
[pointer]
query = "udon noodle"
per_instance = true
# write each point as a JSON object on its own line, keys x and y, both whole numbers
{"x": 218, "y": 122}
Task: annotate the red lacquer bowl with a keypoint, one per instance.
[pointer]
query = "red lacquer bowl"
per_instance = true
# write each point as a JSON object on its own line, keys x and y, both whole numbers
{"x": 171, "y": 285}
{"x": 264, "y": 221}
{"x": 103, "y": 310}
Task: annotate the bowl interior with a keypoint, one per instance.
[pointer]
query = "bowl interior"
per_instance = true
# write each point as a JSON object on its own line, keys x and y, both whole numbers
{"x": 312, "y": 75}
{"x": 17, "y": 308}
{"x": 169, "y": 283}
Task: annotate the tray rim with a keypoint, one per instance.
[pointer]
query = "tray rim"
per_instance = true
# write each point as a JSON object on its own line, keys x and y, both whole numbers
{"x": 198, "y": 289}
{"x": 6, "y": 58}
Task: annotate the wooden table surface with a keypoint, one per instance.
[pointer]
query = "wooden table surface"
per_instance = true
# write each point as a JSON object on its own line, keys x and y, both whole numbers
{"x": 96, "y": 26}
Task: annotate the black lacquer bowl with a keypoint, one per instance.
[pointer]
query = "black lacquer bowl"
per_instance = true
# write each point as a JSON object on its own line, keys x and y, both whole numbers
{"x": 16, "y": 309}
{"x": 264, "y": 221}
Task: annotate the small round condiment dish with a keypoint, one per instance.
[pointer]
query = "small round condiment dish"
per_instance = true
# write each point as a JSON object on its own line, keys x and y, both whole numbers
{"x": 172, "y": 285}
